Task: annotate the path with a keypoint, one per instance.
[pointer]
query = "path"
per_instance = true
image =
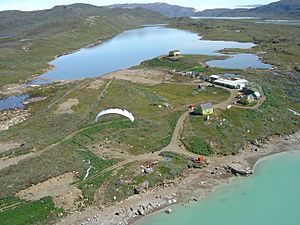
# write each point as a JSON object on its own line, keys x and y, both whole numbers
{"x": 175, "y": 145}
{"x": 65, "y": 94}
{"x": 229, "y": 100}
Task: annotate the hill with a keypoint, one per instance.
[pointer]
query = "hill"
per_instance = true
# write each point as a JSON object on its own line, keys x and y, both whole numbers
{"x": 13, "y": 20}
{"x": 163, "y": 8}
{"x": 29, "y": 40}
{"x": 280, "y": 9}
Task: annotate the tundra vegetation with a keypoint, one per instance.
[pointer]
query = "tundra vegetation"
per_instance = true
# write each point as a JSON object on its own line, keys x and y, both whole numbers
{"x": 112, "y": 151}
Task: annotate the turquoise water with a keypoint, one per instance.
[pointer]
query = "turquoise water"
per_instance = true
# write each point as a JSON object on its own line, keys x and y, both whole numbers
{"x": 270, "y": 197}
{"x": 134, "y": 46}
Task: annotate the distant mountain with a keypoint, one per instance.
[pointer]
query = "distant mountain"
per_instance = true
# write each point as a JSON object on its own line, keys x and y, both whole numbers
{"x": 283, "y": 8}
{"x": 163, "y": 8}
{"x": 222, "y": 12}
{"x": 250, "y": 6}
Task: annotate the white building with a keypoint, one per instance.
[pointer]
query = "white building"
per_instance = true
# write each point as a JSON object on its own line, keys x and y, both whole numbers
{"x": 234, "y": 84}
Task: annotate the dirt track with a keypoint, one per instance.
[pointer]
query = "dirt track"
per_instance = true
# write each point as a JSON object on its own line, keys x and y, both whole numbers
{"x": 174, "y": 146}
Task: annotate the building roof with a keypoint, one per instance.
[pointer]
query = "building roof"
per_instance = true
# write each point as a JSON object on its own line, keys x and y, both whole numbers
{"x": 215, "y": 76}
{"x": 206, "y": 106}
{"x": 257, "y": 94}
{"x": 233, "y": 83}
{"x": 175, "y": 51}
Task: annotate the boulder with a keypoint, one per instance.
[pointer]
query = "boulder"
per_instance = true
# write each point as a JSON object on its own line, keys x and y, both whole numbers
{"x": 140, "y": 188}
{"x": 168, "y": 211}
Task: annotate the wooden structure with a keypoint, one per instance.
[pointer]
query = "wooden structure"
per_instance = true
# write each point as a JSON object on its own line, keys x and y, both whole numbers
{"x": 204, "y": 109}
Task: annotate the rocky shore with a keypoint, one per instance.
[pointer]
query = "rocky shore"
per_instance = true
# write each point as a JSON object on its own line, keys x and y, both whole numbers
{"x": 9, "y": 118}
{"x": 193, "y": 185}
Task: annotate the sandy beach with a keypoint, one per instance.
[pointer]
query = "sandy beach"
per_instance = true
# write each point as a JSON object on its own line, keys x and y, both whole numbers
{"x": 193, "y": 185}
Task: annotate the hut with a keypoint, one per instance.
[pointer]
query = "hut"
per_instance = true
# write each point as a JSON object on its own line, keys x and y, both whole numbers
{"x": 204, "y": 109}
{"x": 252, "y": 91}
{"x": 174, "y": 53}
{"x": 250, "y": 99}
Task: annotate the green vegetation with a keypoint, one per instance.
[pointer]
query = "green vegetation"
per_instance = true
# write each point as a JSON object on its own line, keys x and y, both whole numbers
{"x": 25, "y": 213}
{"x": 278, "y": 42}
{"x": 68, "y": 142}
{"x": 90, "y": 186}
{"x": 198, "y": 146}
{"x": 227, "y": 131}
{"x": 182, "y": 63}
{"x": 122, "y": 184}
{"x": 182, "y": 95}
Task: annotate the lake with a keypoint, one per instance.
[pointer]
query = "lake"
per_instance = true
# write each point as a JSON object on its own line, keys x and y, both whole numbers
{"x": 270, "y": 197}
{"x": 239, "y": 61}
{"x": 224, "y": 18}
{"x": 280, "y": 22}
{"x": 13, "y": 102}
{"x": 132, "y": 47}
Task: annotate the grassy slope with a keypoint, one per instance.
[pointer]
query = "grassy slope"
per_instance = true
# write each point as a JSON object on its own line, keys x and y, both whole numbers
{"x": 151, "y": 131}
{"x": 154, "y": 127}
{"x": 194, "y": 63}
{"x": 36, "y": 212}
{"x": 282, "y": 49}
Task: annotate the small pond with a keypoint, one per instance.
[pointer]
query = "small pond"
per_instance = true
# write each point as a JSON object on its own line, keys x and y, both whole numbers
{"x": 13, "y": 102}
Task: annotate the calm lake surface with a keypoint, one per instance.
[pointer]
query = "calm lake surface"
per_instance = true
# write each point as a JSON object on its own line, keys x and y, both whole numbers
{"x": 224, "y": 18}
{"x": 134, "y": 46}
{"x": 241, "y": 61}
{"x": 270, "y": 197}
{"x": 281, "y": 22}
{"x": 14, "y": 102}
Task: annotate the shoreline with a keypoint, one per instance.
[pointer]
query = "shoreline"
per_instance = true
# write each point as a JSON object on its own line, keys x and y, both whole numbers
{"x": 193, "y": 185}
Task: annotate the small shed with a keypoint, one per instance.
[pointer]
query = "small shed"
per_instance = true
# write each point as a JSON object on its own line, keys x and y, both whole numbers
{"x": 250, "y": 98}
{"x": 204, "y": 109}
{"x": 257, "y": 95}
{"x": 174, "y": 53}
{"x": 252, "y": 91}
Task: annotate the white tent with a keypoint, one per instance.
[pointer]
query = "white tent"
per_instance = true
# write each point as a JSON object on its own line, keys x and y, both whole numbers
{"x": 119, "y": 111}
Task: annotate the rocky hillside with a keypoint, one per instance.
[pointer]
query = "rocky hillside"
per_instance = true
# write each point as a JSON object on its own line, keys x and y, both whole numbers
{"x": 13, "y": 21}
{"x": 280, "y": 9}
{"x": 163, "y": 8}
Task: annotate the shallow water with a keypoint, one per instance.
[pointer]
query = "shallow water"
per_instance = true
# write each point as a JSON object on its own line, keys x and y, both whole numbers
{"x": 134, "y": 46}
{"x": 14, "y": 102}
{"x": 242, "y": 61}
{"x": 270, "y": 197}
{"x": 280, "y": 22}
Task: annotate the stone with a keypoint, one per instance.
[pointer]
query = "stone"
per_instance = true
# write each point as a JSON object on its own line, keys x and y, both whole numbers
{"x": 168, "y": 211}
{"x": 141, "y": 212}
{"x": 140, "y": 188}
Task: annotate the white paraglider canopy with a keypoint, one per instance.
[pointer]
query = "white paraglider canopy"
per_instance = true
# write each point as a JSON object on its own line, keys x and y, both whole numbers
{"x": 119, "y": 111}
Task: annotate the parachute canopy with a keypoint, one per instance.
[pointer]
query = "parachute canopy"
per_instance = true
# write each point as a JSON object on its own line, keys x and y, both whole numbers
{"x": 119, "y": 111}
